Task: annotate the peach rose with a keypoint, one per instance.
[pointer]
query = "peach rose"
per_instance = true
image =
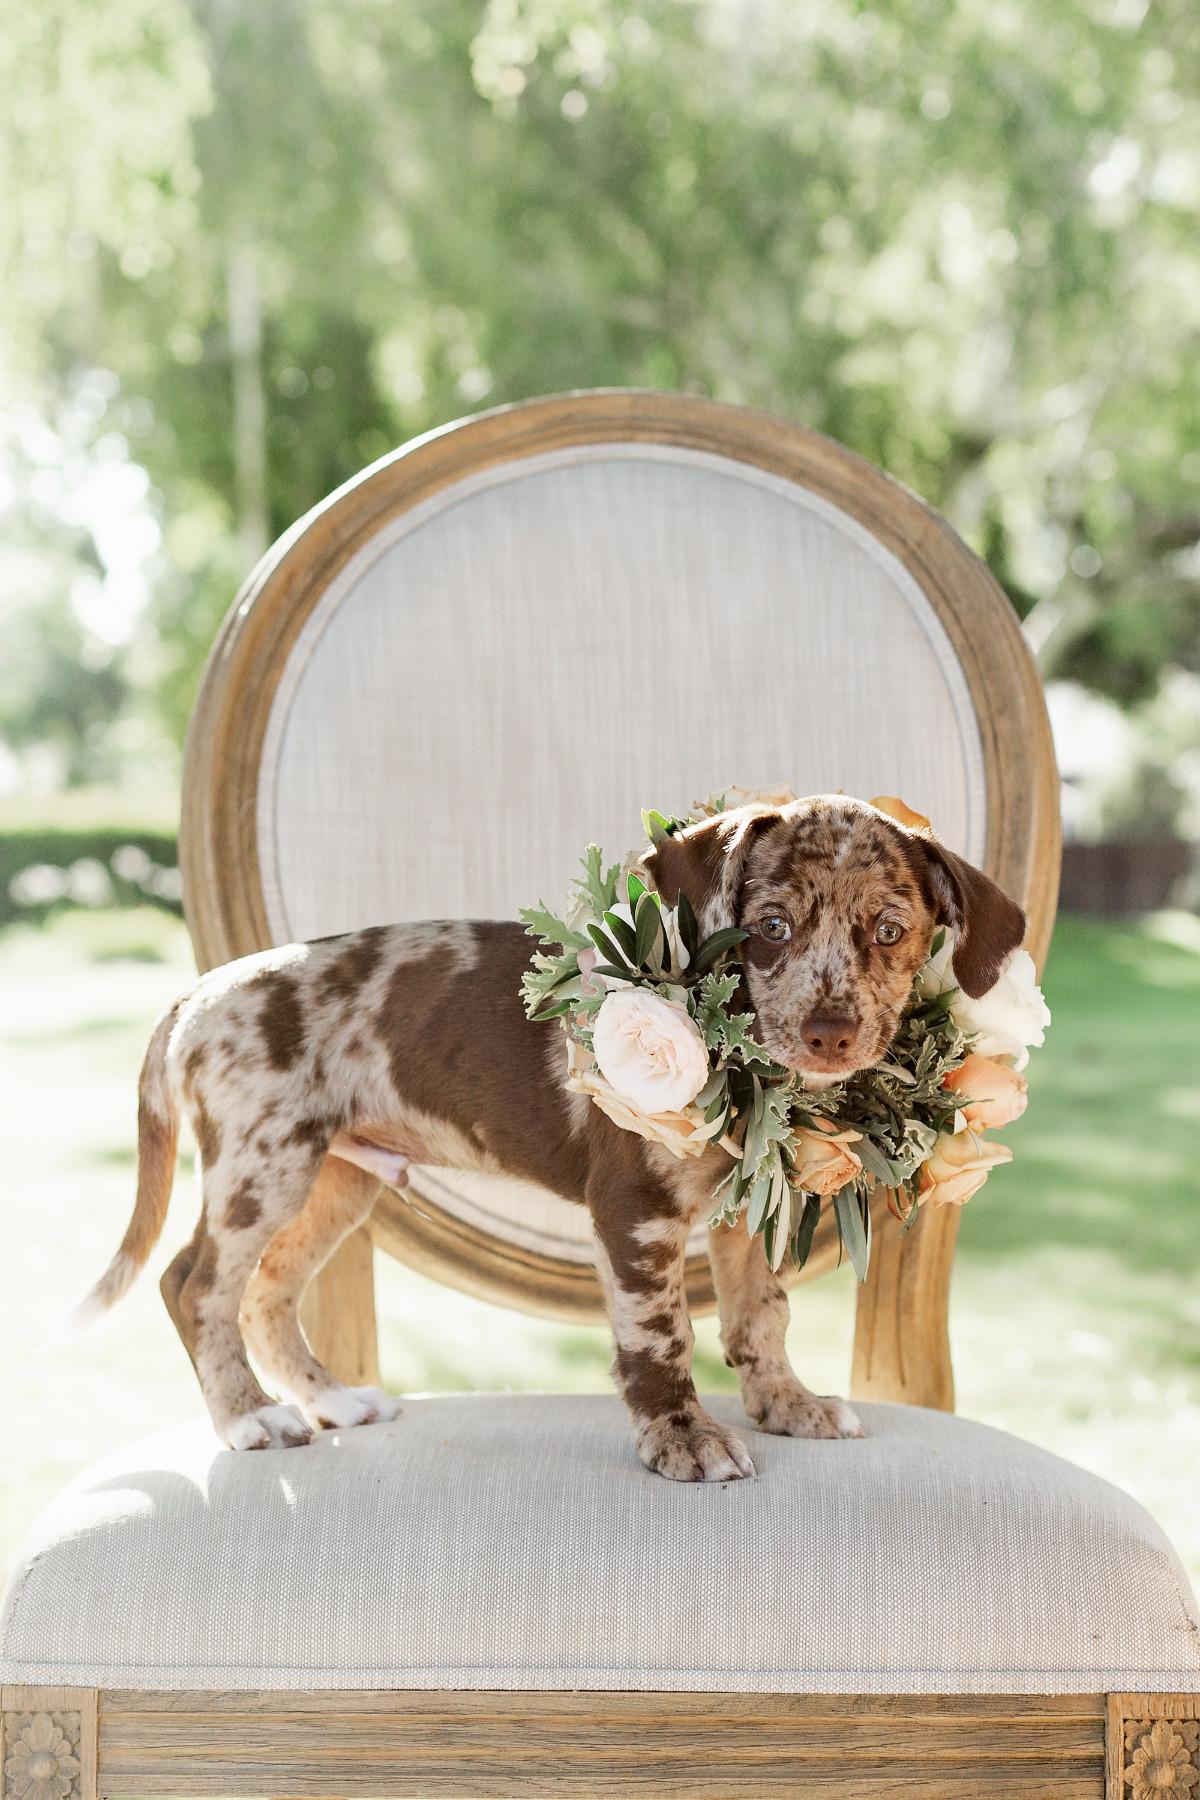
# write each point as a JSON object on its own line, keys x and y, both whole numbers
{"x": 957, "y": 1167}
{"x": 989, "y": 1094}
{"x": 903, "y": 815}
{"x": 824, "y": 1163}
{"x": 650, "y": 1050}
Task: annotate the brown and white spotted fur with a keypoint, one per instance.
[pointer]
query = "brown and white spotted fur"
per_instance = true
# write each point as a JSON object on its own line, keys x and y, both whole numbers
{"x": 311, "y": 1072}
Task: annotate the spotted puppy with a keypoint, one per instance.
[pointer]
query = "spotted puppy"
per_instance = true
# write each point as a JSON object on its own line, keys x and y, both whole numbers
{"x": 313, "y": 1072}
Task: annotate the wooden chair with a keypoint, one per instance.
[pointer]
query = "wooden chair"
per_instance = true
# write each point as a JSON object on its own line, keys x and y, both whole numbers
{"x": 491, "y": 647}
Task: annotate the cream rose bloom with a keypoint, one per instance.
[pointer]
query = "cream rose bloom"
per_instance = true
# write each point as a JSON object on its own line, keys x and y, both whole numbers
{"x": 734, "y": 796}
{"x": 824, "y": 1162}
{"x": 989, "y": 1093}
{"x": 649, "y": 1050}
{"x": 682, "y": 1133}
{"x": 1012, "y": 1014}
{"x": 957, "y": 1167}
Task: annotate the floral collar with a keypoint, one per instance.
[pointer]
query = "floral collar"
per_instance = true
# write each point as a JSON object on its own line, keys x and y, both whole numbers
{"x": 656, "y": 1040}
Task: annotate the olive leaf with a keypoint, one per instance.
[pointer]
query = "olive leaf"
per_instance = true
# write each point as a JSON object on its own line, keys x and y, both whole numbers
{"x": 716, "y": 946}
{"x": 689, "y": 931}
{"x": 648, "y": 927}
{"x": 624, "y": 936}
{"x": 806, "y": 1225}
{"x": 850, "y": 1225}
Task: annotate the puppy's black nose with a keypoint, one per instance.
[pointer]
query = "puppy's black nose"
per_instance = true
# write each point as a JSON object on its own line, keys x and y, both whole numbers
{"x": 828, "y": 1034}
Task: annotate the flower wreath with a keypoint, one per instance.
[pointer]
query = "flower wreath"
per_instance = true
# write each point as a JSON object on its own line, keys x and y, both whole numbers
{"x": 654, "y": 1040}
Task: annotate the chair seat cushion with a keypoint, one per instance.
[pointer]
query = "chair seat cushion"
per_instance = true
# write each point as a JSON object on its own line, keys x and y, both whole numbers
{"x": 514, "y": 1541}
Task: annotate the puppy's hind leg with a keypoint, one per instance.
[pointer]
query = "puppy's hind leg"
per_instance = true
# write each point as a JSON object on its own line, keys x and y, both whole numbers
{"x": 342, "y": 1197}
{"x": 753, "y": 1304}
{"x": 246, "y": 1202}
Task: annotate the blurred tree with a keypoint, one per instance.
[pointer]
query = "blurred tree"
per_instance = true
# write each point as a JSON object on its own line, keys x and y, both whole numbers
{"x": 960, "y": 235}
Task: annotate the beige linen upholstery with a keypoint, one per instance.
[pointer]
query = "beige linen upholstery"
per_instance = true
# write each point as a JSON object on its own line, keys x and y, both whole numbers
{"x": 514, "y": 1541}
{"x": 513, "y": 669}
{"x": 518, "y": 666}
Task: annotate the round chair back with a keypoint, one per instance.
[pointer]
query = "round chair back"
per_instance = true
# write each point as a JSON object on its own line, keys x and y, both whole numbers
{"x": 497, "y": 645}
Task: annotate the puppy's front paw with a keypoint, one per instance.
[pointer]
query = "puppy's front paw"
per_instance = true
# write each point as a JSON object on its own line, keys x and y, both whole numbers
{"x": 337, "y": 1407}
{"x": 794, "y": 1412}
{"x": 692, "y": 1448}
{"x": 270, "y": 1428}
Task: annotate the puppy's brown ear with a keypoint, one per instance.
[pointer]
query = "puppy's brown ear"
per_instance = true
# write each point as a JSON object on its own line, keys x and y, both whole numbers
{"x": 987, "y": 925}
{"x": 707, "y": 861}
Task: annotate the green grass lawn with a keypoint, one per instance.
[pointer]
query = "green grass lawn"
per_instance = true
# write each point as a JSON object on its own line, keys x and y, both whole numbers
{"x": 1076, "y": 1304}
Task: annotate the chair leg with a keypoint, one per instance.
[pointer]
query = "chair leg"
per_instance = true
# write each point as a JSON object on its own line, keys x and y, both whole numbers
{"x": 48, "y": 1742}
{"x": 901, "y": 1333}
{"x": 338, "y": 1313}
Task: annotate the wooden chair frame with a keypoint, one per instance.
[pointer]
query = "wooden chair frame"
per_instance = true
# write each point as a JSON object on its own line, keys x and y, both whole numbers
{"x": 593, "y": 1746}
{"x": 543, "y": 1744}
{"x": 902, "y": 1347}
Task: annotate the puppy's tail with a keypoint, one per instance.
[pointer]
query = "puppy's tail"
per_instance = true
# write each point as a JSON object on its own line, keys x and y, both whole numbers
{"x": 158, "y": 1137}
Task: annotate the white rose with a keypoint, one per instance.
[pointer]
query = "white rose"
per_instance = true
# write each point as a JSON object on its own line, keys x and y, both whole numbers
{"x": 1012, "y": 1014}
{"x": 936, "y": 975}
{"x": 649, "y": 1050}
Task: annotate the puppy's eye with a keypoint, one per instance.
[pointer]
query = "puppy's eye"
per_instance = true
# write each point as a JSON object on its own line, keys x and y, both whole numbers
{"x": 775, "y": 928}
{"x": 889, "y": 932}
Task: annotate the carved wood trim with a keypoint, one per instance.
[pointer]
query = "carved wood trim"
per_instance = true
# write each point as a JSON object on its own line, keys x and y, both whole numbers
{"x": 48, "y": 1743}
{"x": 1152, "y": 1747}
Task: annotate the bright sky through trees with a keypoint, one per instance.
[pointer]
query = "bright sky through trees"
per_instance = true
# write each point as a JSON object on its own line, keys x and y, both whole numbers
{"x": 249, "y": 245}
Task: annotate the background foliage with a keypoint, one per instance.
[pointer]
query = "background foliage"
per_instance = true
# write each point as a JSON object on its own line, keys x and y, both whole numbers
{"x": 249, "y": 245}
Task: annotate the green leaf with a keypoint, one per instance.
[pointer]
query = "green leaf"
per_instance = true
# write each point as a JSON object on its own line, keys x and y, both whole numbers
{"x": 599, "y": 888}
{"x": 735, "y": 1030}
{"x": 760, "y": 1193}
{"x": 658, "y": 828}
{"x": 725, "y": 1197}
{"x": 539, "y": 922}
{"x": 623, "y": 933}
{"x": 850, "y": 1224}
{"x": 623, "y": 973}
{"x": 606, "y": 946}
{"x": 770, "y": 1233}
{"x": 689, "y": 931}
{"x": 713, "y": 994}
{"x": 781, "y": 1224}
{"x": 873, "y": 1159}
{"x": 910, "y": 1198}
{"x": 648, "y": 926}
{"x": 716, "y": 946}
{"x": 634, "y": 889}
{"x": 550, "y": 975}
{"x": 716, "y": 1085}
{"x": 806, "y": 1225}
{"x": 541, "y": 1013}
